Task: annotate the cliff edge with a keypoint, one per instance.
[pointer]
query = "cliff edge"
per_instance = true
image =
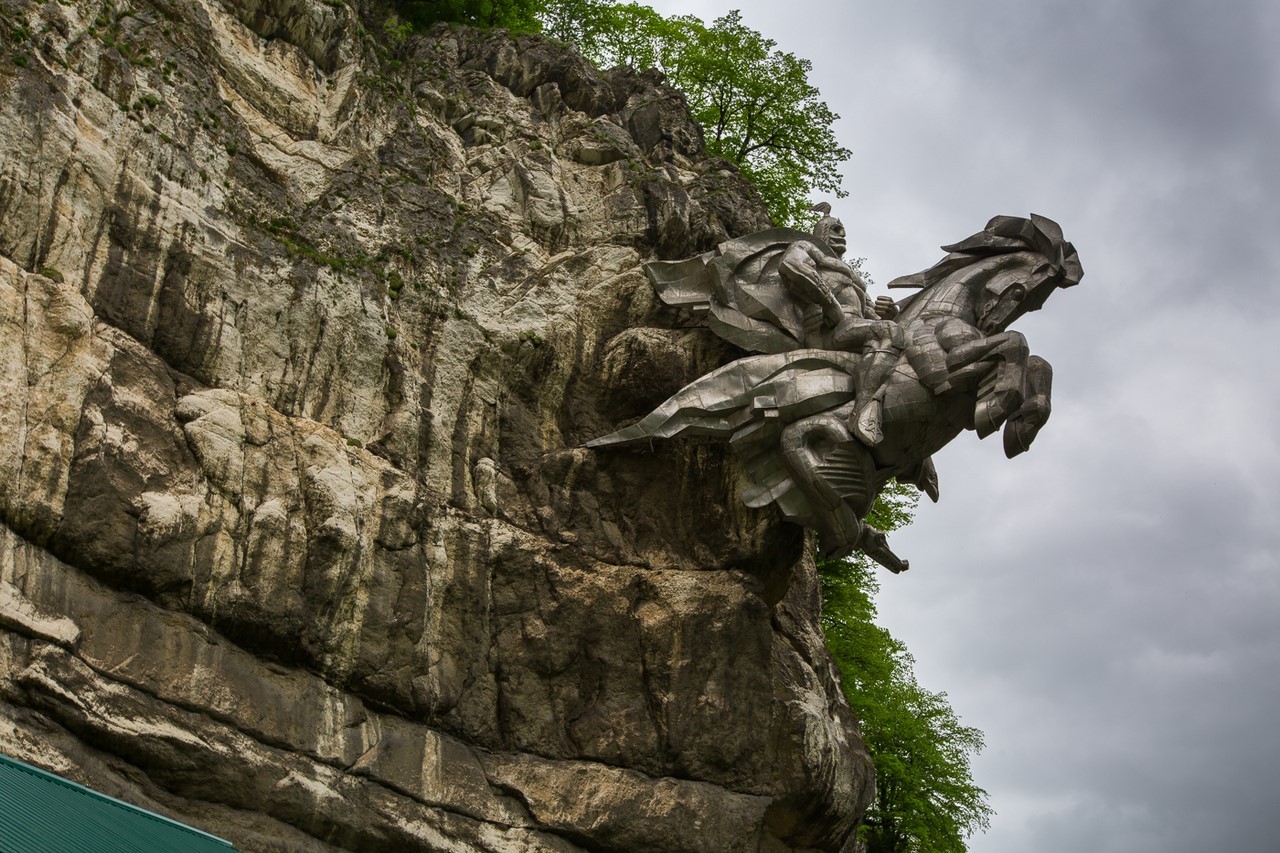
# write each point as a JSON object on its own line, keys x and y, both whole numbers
{"x": 303, "y": 327}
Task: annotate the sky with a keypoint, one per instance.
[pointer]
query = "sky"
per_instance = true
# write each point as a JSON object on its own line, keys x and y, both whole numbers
{"x": 1106, "y": 607}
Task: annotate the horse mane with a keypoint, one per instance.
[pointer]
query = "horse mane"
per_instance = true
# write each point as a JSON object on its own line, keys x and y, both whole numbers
{"x": 1003, "y": 235}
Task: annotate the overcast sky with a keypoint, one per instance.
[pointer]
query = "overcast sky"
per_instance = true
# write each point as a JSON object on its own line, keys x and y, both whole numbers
{"x": 1106, "y": 608}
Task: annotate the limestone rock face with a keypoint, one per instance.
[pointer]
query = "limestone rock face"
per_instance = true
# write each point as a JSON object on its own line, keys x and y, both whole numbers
{"x": 302, "y": 329}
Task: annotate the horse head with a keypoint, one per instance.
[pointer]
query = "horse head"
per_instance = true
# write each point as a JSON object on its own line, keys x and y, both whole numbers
{"x": 1010, "y": 267}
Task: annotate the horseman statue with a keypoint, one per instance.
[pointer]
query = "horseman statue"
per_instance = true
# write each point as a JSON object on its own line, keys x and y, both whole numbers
{"x": 845, "y": 392}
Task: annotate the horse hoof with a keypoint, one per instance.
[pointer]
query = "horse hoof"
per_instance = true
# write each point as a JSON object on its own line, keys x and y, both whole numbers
{"x": 1018, "y": 436}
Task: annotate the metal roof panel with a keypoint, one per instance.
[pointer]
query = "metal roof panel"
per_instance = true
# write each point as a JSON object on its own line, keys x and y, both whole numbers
{"x": 40, "y": 812}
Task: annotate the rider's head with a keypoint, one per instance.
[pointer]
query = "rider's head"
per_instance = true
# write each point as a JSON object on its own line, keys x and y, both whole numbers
{"x": 830, "y": 230}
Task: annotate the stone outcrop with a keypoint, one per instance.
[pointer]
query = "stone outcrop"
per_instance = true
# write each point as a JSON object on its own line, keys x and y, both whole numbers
{"x": 303, "y": 328}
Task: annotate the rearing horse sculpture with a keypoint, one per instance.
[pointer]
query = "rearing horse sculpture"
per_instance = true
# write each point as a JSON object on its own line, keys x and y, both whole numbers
{"x": 796, "y": 418}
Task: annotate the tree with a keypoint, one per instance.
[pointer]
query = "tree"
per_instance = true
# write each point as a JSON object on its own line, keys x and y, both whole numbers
{"x": 755, "y": 103}
{"x": 926, "y": 801}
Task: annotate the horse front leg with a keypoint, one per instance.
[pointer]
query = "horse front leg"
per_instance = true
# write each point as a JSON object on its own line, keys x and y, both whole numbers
{"x": 998, "y": 364}
{"x": 1024, "y": 424}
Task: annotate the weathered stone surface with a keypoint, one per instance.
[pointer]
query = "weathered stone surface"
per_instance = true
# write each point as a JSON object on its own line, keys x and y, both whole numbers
{"x": 299, "y": 541}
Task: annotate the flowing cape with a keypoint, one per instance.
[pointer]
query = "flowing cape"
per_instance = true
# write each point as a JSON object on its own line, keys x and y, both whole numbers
{"x": 749, "y": 401}
{"x": 739, "y": 285}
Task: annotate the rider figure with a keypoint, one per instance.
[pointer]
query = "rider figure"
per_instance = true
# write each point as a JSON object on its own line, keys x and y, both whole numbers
{"x": 840, "y": 315}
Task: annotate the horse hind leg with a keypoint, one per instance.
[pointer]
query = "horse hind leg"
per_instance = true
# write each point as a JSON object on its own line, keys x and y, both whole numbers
{"x": 876, "y": 546}
{"x": 835, "y": 475}
{"x": 868, "y": 540}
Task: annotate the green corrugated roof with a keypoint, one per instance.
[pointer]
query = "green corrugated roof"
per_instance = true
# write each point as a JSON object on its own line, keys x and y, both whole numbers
{"x": 44, "y": 813}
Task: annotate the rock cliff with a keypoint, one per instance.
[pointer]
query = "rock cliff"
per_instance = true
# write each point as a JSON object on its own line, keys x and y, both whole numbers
{"x": 303, "y": 325}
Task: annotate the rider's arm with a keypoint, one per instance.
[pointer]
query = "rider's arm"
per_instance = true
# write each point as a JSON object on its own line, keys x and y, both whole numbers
{"x": 886, "y": 308}
{"x": 799, "y": 268}
{"x": 856, "y": 332}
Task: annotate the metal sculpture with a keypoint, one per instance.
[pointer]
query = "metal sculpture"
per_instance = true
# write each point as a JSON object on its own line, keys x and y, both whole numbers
{"x": 846, "y": 393}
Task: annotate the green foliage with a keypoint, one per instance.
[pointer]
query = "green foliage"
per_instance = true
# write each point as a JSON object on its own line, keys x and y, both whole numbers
{"x": 926, "y": 801}
{"x": 610, "y": 33}
{"x": 755, "y": 103}
{"x": 519, "y": 15}
{"x": 396, "y": 30}
{"x": 395, "y": 283}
